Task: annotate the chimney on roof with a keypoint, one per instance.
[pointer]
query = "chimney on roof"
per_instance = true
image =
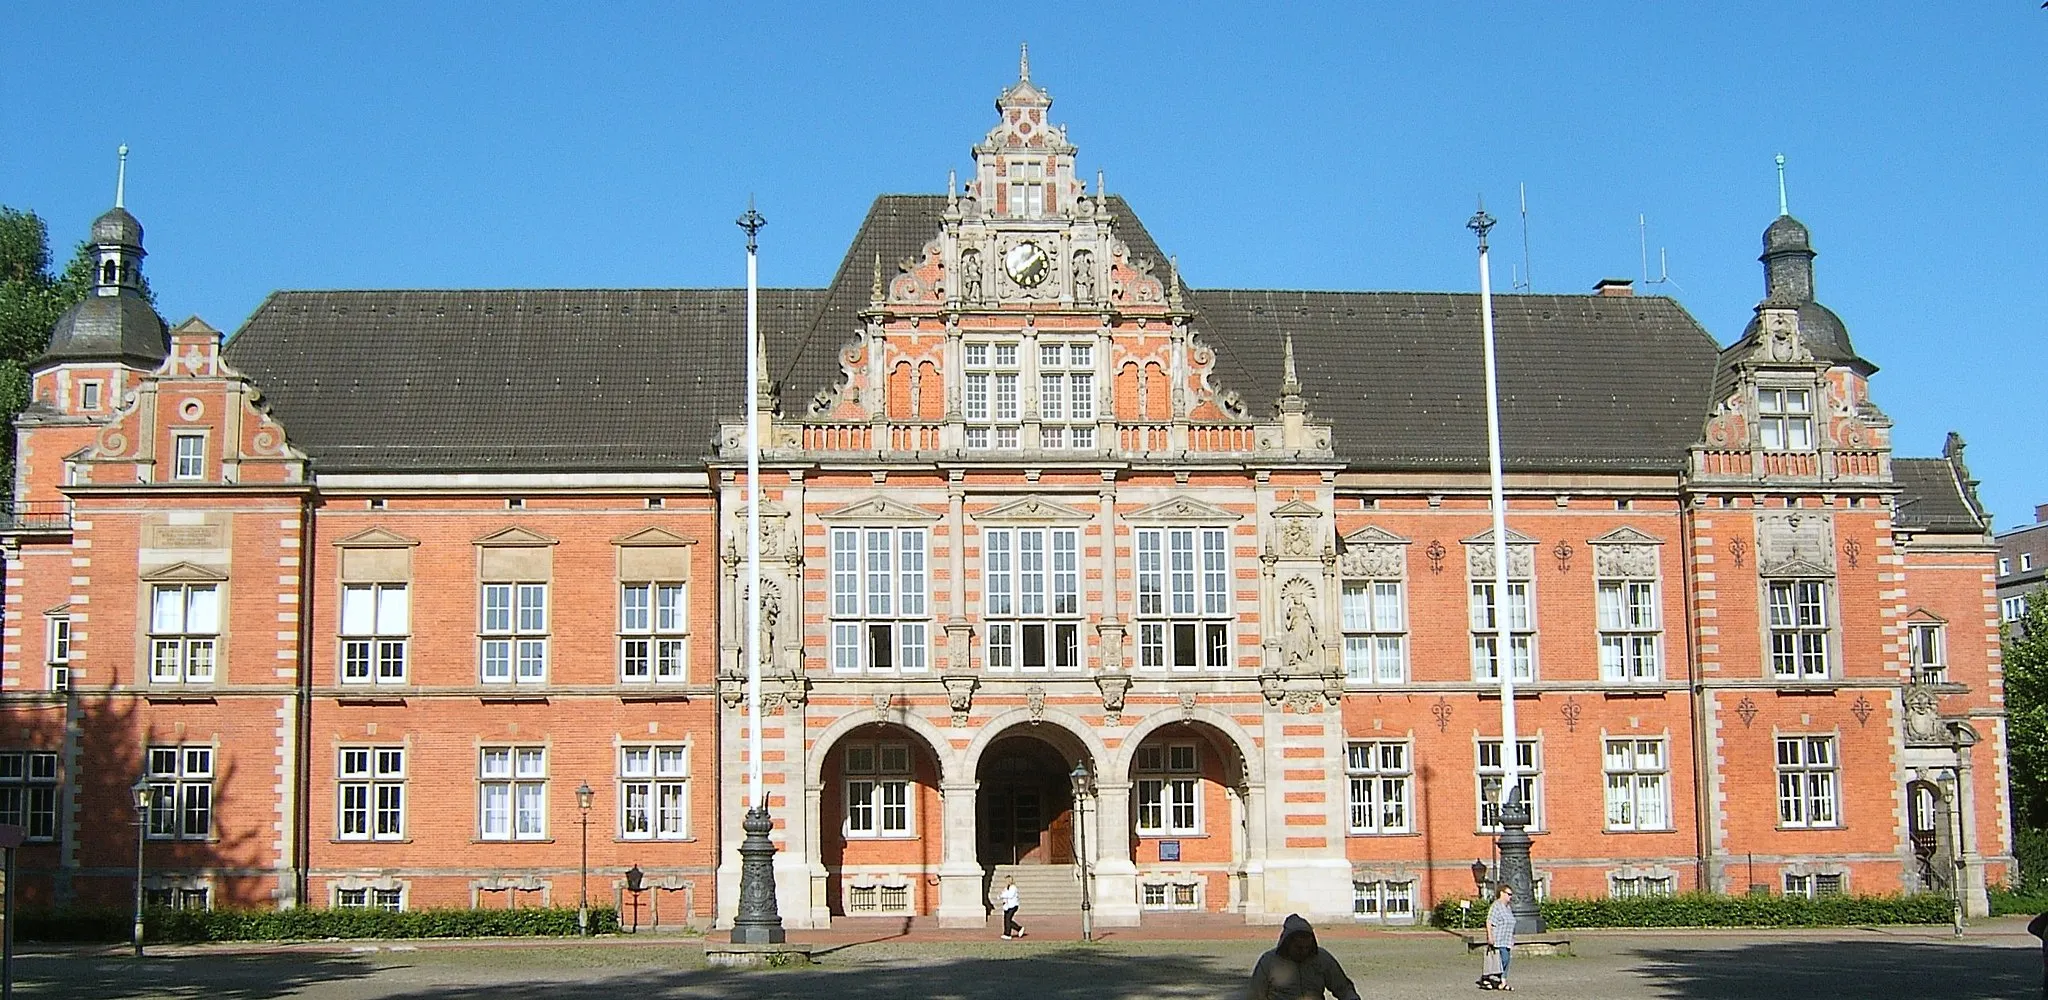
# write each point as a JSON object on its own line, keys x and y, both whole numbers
{"x": 1615, "y": 287}
{"x": 2041, "y": 513}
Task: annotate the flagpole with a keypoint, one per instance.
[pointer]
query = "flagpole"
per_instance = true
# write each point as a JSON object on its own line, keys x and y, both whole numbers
{"x": 756, "y": 920}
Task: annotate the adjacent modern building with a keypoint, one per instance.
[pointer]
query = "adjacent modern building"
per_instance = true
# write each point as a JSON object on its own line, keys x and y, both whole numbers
{"x": 364, "y": 595}
{"x": 2022, "y": 565}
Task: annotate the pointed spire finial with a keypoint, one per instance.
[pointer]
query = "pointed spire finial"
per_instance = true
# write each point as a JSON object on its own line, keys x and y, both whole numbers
{"x": 1290, "y": 383}
{"x": 875, "y": 289}
{"x": 121, "y": 178}
{"x": 1173, "y": 288}
{"x": 1782, "y": 210}
{"x": 1024, "y": 62}
{"x": 1101, "y": 185}
{"x": 952, "y": 190}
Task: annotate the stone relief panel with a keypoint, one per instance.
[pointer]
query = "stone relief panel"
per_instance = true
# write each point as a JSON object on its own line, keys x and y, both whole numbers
{"x": 1795, "y": 543}
{"x": 1625, "y": 552}
{"x": 1375, "y": 553}
{"x": 1521, "y": 556}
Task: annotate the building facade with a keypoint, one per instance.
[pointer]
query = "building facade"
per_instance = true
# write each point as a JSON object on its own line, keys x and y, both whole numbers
{"x": 367, "y": 595}
{"x": 2022, "y": 565}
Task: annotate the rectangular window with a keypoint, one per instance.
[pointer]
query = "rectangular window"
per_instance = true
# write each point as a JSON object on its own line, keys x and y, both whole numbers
{"x": 1169, "y": 789}
{"x": 1027, "y": 188}
{"x": 1799, "y": 629}
{"x": 1379, "y": 772}
{"x": 1066, "y": 396}
{"x": 1785, "y": 419}
{"x": 2014, "y": 608}
{"x": 2026, "y": 561}
{"x": 879, "y": 600}
{"x": 653, "y": 792}
{"x": 28, "y": 792}
{"x": 180, "y": 792}
{"x": 513, "y": 793}
{"x": 1031, "y": 598}
{"x": 1809, "y": 793}
{"x": 184, "y": 632}
{"x": 190, "y": 460}
{"x": 371, "y": 793}
{"x": 1375, "y": 623}
{"x": 1629, "y": 634}
{"x": 60, "y": 639}
{"x": 514, "y": 640}
{"x": 1631, "y": 886}
{"x": 1184, "y": 598}
{"x": 1492, "y": 782}
{"x": 88, "y": 395}
{"x": 1928, "y": 648}
{"x": 1391, "y": 902}
{"x": 1486, "y": 635}
{"x": 376, "y": 621}
{"x": 652, "y": 625}
{"x": 1638, "y": 786}
{"x": 878, "y": 789}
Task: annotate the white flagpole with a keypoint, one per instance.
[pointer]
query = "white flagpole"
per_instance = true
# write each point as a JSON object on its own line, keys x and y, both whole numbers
{"x": 1502, "y": 613}
{"x": 752, "y": 223}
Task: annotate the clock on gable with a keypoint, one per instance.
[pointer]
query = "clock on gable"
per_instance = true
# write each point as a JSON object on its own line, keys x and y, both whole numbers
{"x": 1027, "y": 264}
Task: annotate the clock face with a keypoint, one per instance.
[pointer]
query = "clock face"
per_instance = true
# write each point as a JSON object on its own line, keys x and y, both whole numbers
{"x": 1027, "y": 264}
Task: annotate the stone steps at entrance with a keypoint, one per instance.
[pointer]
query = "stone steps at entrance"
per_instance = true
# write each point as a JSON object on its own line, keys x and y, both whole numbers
{"x": 1044, "y": 889}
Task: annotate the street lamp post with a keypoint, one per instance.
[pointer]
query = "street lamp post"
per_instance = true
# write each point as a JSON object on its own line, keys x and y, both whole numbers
{"x": 142, "y": 797}
{"x": 583, "y": 796}
{"x": 636, "y": 880}
{"x": 1084, "y": 786}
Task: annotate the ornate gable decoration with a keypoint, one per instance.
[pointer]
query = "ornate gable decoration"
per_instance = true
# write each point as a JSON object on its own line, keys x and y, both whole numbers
{"x": 878, "y": 509}
{"x": 1375, "y": 552}
{"x": 1183, "y": 510}
{"x": 1625, "y": 551}
{"x": 1795, "y": 543}
{"x": 1298, "y": 530}
{"x": 514, "y": 537}
{"x": 652, "y": 537}
{"x": 195, "y": 389}
{"x": 1778, "y": 341}
{"x": 1479, "y": 555}
{"x": 1033, "y": 510}
{"x": 375, "y": 538}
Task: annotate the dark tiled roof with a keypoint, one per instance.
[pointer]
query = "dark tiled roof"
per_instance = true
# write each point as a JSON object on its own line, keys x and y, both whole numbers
{"x": 466, "y": 381}
{"x": 118, "y": 327}
{"x": 1932, "y": 498}
{"x": 1586, "y": 381}
{"x": 635, "y": 379}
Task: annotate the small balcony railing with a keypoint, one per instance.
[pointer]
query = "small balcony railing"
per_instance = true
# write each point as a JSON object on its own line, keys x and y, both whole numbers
{"x": 32, "y": 516}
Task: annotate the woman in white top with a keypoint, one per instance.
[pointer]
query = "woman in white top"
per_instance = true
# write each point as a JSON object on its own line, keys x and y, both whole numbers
{"x": 1010, "y": 902}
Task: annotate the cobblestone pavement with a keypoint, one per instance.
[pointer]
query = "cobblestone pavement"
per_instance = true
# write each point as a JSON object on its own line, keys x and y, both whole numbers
{"x": 1997, "y": 960}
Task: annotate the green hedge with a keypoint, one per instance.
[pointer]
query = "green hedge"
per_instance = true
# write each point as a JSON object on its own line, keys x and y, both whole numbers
{"x": 2005, "y": 901}
{"x": 2030, "y": 850}
{"x": 191, "y": 926}
{"x": 1709, "y": 910}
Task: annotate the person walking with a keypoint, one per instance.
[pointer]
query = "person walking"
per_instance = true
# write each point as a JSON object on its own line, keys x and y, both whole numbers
{"x": 1010, "y": 902}
{"x": 1298, "y": 968}
{"x": 2039, "y": 929}
{"x": 1500, "y": 940}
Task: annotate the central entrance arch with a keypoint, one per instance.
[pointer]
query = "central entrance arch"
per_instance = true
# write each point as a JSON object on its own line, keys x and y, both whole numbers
{"x": 1026, "y": 804}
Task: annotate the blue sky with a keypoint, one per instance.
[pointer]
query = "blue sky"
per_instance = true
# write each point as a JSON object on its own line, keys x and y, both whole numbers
{"x": 521, "y": 145}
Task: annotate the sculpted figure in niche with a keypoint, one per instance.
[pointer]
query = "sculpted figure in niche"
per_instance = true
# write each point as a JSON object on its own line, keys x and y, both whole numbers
{"x": 1298, "y": 643}
{"x": 970, "y": 275}
{"x": 1084, "y": 276}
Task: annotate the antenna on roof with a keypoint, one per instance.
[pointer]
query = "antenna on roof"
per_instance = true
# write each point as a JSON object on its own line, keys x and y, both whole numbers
{"x": 121, "y": 177}
{"x": 1521, "y": 282}
{"x": 1663, "y": 264}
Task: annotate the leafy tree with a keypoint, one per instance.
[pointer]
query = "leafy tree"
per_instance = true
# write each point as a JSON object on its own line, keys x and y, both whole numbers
{"x": 2026, "y": 706}
{"x": 31, "y": 299}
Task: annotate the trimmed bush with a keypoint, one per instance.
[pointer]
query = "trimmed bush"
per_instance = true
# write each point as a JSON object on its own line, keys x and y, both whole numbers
{"x": 2005, "y": 902}
{"x": 2030, "y": 849}
{"x": 193, "y": 926}
{"x": 1709, "y": 910}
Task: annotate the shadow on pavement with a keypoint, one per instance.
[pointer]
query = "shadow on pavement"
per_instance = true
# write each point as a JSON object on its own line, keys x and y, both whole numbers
{"x": 1875, "y": 968}
{"x": 217, "y": 977}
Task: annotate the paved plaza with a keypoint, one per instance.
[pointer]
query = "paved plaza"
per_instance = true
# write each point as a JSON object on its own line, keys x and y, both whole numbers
{"x": 1996, "y": 960}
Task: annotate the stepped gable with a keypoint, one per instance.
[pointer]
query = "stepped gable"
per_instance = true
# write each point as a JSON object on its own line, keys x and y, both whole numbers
{"x": 507, "y": 381}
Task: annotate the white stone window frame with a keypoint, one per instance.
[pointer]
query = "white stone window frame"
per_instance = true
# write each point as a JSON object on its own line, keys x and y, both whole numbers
{"x": 992, "y": 393}
{"x": 1369, "y": 769}
{"x": 1814, "y": 880}
{"x": 513, "y": 649}
{"x": 1199, "y": 638}
{"x": 1529, "y": 774}
{"x": 1805, "y": 598}
{"x": 1816, "y": 768}
{"x": 378, "y": 775}
{"x": 1927, "y": 650}
{"x": 1028, "y": 179}
{"x": 1632, "y": 881}
{"x": 57, "y": 638}
{"x": 1786, "y": 415}
{"x": 508, "y": 769}
{"x": 1067, "y": 382}
{"x": 665, "y": 778}
{"x": 886, "y": 769}
{"x": 182, "y": 650}
{"x": 859, "y": 614}
{"x": 91, "y": 395}
{"x": 1376, "y": 898}
{"x": 188, "y": 456}
{"x": 658, "y": 638}
{"x": 1636, "y": 778}
{"x": 1006, "y": 620}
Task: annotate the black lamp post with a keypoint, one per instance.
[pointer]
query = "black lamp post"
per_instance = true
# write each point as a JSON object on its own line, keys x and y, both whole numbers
{"x": 636, "y": 880}
{"x": 583, "y": 796}
{"x": 1515, "y": 869}
{"x": 142, "y": 799}
{"x": 1084, "y": 786}
{"x": 1479, "y": 876}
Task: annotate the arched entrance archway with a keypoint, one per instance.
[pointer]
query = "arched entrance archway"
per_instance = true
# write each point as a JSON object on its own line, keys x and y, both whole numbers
{"x": 1190, "y": 816}
{"x": 1025, "y": 806}
{"x": 880, "y": 823}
